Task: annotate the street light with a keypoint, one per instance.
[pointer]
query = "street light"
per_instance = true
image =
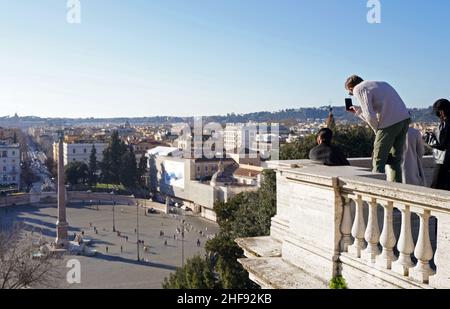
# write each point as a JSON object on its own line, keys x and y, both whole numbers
{"x": 182, "y": 243}
{"x": 182, "y": 237}
{"x": 114, "y": 217}
{"x": 137, "y": 228}
{"x": 89, "y": 197}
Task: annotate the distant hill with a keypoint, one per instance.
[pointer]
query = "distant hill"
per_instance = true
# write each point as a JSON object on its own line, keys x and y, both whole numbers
{"x": 286, "y": 115}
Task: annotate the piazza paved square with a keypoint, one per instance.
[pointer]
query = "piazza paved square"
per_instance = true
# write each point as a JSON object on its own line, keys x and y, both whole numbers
{"x": 118, "y": 267}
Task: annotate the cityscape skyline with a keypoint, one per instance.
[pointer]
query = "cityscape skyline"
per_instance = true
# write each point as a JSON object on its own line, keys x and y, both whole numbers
{"x": 212, "y": 58}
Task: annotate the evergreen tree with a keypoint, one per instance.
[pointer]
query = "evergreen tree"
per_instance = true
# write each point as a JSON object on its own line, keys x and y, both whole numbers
{"x": 197, "y": 273}
{"x": 112, "y": 157}
{"x": 51, "y": 166}
{"x": 128, "y": 170}
{"x": 76, "y": 172}
{"x": 142, "y": 170}
{"x": 246, "y": 215}
{"x": 356, "y": 141}
{"x": 93, "y": 167}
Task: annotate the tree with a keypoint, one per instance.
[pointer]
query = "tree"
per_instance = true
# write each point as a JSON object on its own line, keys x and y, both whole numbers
{"x": 112, "y": 157}
{"x": 197, "y": 273}
{"x": 76, "y": 172}
{"x": 246, "y": 215}
{"x": 128, "y": 169}
{"x": 142, "y": 170}
{"x": 28, "y": 177}
{"x": 298, "y": 150}
{"x": 93, "y": 167}
{"x": 17, "y": 268}
{"x": 356, "y": 141}
{"x": 51, "y": 166}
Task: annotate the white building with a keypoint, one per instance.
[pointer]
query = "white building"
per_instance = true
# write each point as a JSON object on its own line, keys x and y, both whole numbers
{"x": 239, "y": 136}
{"x": 9, "y": 164}
{"x": 80, "y": 152}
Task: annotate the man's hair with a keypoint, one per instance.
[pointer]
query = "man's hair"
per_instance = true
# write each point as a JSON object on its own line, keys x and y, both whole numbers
{"x": 325, "y": 135}
{"x": 353, "y": 81}
{"x": 442, "y": 105}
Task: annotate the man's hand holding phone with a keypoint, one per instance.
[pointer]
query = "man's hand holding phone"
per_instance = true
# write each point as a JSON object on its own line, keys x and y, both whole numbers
{"x": 353, "y": 110}
{"x": 349, "y": 106}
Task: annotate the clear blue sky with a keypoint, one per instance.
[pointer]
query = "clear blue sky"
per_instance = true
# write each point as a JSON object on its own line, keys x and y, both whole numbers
{"x": 204, "y": 57}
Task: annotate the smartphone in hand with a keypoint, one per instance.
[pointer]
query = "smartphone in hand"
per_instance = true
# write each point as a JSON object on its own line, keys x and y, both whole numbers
{"x": 348, "y": 104}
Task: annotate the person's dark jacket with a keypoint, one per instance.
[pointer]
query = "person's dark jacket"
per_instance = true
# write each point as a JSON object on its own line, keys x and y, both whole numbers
{"x": 328, "y": 155}
{"x": 441, "y": 143}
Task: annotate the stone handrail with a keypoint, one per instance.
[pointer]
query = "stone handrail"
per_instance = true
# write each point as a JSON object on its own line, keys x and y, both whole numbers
{"x": 348, "y": 221}
{"x": 362, "y": 238}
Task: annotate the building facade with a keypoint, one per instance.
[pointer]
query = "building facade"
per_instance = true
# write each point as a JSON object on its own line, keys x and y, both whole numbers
{"x": 9, "y": 164}
{"x": 80, "y": 152}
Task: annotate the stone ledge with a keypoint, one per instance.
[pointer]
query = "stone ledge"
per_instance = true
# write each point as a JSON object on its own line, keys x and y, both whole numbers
{"x": 260, "y": 246}
{"x": 277, "y": 274}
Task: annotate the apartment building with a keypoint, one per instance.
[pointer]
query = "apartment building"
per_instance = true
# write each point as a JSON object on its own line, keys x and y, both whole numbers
{"x": 9, "y": 164}
{"x": 80, "y": 151}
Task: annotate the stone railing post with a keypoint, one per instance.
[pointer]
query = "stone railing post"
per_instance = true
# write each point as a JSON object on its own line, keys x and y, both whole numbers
{"x": 387, "y": 238}
{"x": 358, "y": 229}
{"x": 372, "y": 233}
{"x": 405, "y": 244}
{"x": 423, "y": 251}
{"x": 346, "y": 225}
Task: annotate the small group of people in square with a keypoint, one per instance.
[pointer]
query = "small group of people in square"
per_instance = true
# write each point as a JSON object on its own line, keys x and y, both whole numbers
{"x": 399, "y": 147}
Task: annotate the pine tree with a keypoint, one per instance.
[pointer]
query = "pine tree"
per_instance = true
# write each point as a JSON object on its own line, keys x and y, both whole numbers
{"x": 93, "y": 167}
{"x": 142, "y": 169}
{"x": 128, "y": 170}
{"x": 112, "y": 159}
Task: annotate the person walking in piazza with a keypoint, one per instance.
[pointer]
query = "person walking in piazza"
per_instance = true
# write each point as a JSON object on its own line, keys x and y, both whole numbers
{"x": 384, "y": 111}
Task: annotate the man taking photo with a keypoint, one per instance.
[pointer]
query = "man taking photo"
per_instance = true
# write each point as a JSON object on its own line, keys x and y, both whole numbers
{"x": 385, "y": 112}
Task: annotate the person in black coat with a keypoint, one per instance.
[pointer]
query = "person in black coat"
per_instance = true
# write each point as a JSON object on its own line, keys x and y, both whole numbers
{"x": 327, "y": 153}
{"x": 440, "y": 143}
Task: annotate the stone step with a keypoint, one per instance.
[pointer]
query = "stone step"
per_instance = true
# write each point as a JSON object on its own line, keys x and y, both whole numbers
{"x": 260, "y": 247}
{"x": 274, "y": 273}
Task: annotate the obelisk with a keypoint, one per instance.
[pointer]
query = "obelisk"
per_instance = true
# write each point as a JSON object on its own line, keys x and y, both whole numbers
{"x": 62, "y": 240}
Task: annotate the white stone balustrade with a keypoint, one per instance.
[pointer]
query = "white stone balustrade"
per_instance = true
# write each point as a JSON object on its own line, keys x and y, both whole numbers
{"x": 396, "y": 256}
{"x": 348, "y": 221}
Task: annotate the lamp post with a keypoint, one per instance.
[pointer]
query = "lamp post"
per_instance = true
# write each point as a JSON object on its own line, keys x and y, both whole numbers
{"x": 182, "y": 243}
{"x": 89, "y": 197}
{"x": 137, "y": 229}
{"x": 182, "y": 237}
{"x": 113, "y": 209}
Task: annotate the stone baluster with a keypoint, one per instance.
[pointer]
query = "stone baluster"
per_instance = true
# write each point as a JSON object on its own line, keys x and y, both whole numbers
{"x": 372, "y": 233}
{"x": 405, "y": 244}
{"x": 387, "y": 238}
{"x": 423, "y": 251}
{"x": 359, "y": 228}
{"x": 346, "y": 226}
